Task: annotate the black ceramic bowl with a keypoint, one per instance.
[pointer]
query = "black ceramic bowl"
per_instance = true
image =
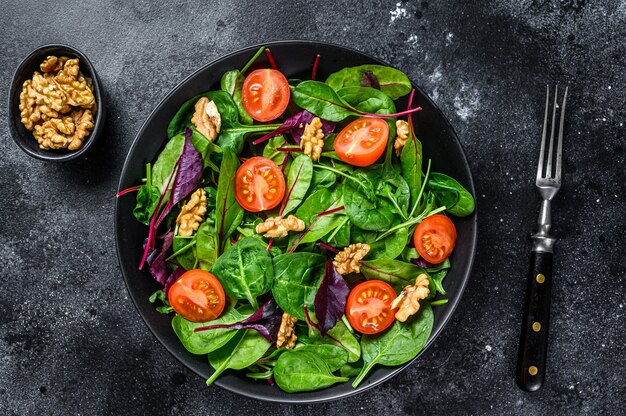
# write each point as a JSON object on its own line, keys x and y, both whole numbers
{"x": 440, "y": 143}
{"x": 23, "y": 137}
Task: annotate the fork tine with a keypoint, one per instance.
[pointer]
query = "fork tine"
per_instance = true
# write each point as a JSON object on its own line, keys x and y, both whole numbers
{"x": 559, "y": 149}
{"x": 550, "y": 149}
{"x": 543, "y": 136}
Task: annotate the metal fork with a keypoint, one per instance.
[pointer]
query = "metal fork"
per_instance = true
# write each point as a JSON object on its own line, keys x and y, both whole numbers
{"x": 531, "y": 362}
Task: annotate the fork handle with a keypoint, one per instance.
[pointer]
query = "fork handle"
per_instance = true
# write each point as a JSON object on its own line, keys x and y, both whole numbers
{"x": 531, "y": 360}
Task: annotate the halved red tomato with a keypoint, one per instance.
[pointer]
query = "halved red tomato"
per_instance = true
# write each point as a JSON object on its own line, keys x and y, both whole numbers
{"x": 197, "y": 296}
{"x": 259, "y": 184}
{"x": 265, "y": 94}
{"x": 363, "y": 141}
{"x": 369, "y": 307}
{"x": 435, "y": 238}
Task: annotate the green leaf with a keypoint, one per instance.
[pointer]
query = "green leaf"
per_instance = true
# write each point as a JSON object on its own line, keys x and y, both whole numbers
{"x": 297, "y": 277}
{"x": 367, "y": 100}
{"x": 322, "y": 179}
{"x": 320, "y": 99}
{"x": 319, "y": 201}
{"x": 395, "y": 272}
{"x": 186, "y": 258}
{"x": 392, "y": 82}
{"x": 411, "y": 162}
{"x": 335, "y": 357}
{"x": 297, "y": 371}
{"x": 457, "y": 200}
{"x": 206, "y": 245}
{"x": 241, "y": 351}
{"x": 147, "y": 200}
{"x": 245, "y": 270}
{"x": 298, "y": 182}
{"x": 232, "y": 83}
{"x": 341, "y": 336}
{"x": 270, "y": 152}
{"x": 389, "y": 247}
{"x": 166, "y": 161}
{"x": 399, "y": 344}
{"x": 228, "y": 212}
{"x": 204, "y": 342}
{"x": 223, "y": 101}
{"x": 366, "y": 208}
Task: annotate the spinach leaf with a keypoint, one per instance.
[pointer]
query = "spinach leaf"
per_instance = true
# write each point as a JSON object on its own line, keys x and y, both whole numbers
{"x": 457, "y": 200}
{"x": 411, "y": 162}
{"x": 206, "y": 245}
{"x": 367, "y": 100}
{"x": 241, "y": 351}
{"x": 147, "y": 201}
{"x": 395, "y": 272}
{"x": 398, "y": 344}
{"x": 340, "y": 237}
{"x": 270, "y": 152}
{"x": 350, "y": 369}
{"x": 297, "y": 371}
{"x": 341, "y": 336}
{"x": 185, "y": 251}
{"x": 392, "y": 82}
{"x": 228, "y": 212}
{"x": 297, "y": 277}
{"x": 321, "y": 178}
{"x": 320, "y": 99}
{"x": 389, "y": 247}
{"x": 206, "y": 341}
{"x": 335, "y": 357}
{"x": 364, "y": 208}
{"x": 206, "y": 148}
{"x": 318, "y": 226}
{"x": 298, "y": 182}
{"x": 245, "y": 270}
{"x": 232, "y": 83}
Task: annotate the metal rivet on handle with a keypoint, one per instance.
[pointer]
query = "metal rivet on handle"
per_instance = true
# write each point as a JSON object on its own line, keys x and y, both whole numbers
{"x": 536, "y": 327}
{"x": 540, "y": 278}
{"x": 532, "y": 370}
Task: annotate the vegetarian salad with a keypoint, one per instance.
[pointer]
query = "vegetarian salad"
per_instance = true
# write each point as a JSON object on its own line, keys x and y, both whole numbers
{"x": 297, "y": 230}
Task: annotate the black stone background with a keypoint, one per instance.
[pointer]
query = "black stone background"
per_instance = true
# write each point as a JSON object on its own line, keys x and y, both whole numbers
{"x": 71, "y": 341}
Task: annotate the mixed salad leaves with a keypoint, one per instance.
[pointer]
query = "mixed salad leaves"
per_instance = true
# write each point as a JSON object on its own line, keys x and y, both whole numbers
{"x": 294, "y": 228}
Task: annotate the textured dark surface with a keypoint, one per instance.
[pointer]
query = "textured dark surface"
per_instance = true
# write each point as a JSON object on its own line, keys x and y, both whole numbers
{"x": 70, "y": 340}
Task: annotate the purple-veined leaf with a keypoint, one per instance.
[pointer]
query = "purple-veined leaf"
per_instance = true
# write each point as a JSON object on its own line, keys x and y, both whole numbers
{"x": 158, "y": 266}
{"x": 173, "y": 278}
{"x": 294, "y": 125}
{"x": 330, "y": 300}
{"x": 370, "y": 80}
{"x": 266, "y": 320}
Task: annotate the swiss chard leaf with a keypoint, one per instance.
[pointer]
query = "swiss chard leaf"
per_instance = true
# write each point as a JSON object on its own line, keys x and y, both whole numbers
{"x": 245, "y": 270}
{"x": 228, "y": 212}
{"x": 330, "y": 301}
{"x": 158, "y": 267}
{"x": 298, "y": 182}
{"x": 392, "y": 82}
{"x": 241, "y": 351}
{"x": 294, "y": 126}
{"x": 297, "y": 278}
{"x": 301, "y": 370}
{"x": 457, "y": 200}
{"x": 232, "y": 83}
{"x": 206, "y": 341}
{"x": 399, "y": 344}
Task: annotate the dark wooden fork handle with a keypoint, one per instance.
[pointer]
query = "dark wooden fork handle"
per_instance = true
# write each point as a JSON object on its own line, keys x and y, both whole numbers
{"x": 531, "y": 360}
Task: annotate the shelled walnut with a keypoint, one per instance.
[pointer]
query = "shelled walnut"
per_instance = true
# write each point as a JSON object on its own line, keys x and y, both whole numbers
{"x": 275, "y": 227}
{"x": 191, "y": 214}
{"x": 207, "y": 119}
{"x": 408, "y": 301}
{"x": 349, "y": 260}
{"x": 286, "y": 335}
{"x": 312, "y": 140}
{"x": 58, "y": 105}
{"x": 402, "y": 134}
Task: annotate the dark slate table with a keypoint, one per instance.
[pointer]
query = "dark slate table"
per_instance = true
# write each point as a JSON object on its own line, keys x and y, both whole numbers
{"x": 71, "y": 341}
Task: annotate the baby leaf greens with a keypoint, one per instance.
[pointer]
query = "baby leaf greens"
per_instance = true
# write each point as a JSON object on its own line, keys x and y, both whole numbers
{"x": 189, "y": 202}
{"x": 398, "y": 344}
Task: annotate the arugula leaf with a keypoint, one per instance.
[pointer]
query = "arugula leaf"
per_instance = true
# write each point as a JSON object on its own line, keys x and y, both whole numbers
{"x": 301, "y": 370}
{"x": 245, "y": 270}
{"x": 392, "y": 82}
{"x": 228, "y": 212}
{"x": 241, "y": 351}
{"x": 296, "y": 280}
{"x": 400, "y": 343}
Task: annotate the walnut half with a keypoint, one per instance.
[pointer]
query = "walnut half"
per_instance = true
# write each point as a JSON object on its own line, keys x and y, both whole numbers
{"x": 191, "y": 214}
{"x": 408, "y": 301}
{"x": 207, "y": 119}
{"x": 402, "y": 134}
{"x": 312, "y": 140}
{"x": 349, "y": 260}
{"x": 275, "y": 227}
{"x": 286, "y": 335}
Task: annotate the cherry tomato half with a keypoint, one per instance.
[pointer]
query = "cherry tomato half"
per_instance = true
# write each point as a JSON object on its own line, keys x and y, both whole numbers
{"x": 259, "y": 184}
{"x": 265, "y": 94}
{"x": 369, "y": 307}
{"x": 197, "y": 296}
{"x": 435, "y": 238}
{"x": 363, "y": 141}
